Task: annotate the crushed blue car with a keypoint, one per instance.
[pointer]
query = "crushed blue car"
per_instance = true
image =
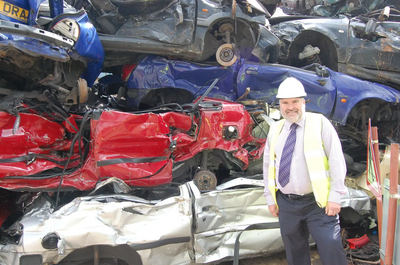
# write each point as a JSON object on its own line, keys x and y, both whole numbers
{"x": 346, "y": 100}
{"x": 47, "y": 50}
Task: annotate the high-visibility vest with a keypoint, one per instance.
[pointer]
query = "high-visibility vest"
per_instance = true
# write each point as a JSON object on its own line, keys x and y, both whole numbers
{"x": 316, "y": 159}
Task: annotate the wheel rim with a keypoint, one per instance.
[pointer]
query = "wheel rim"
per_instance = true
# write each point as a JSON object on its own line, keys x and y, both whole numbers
{"x": 226, "y": 55}
{"x": 206, "y": 180}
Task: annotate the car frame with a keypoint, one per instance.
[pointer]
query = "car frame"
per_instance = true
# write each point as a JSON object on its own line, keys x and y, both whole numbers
{"x": 364, "y": 46}
{"x": 190, "y": 30}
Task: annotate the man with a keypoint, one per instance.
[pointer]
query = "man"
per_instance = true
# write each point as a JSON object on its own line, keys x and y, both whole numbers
{"x": 304, "y": 171}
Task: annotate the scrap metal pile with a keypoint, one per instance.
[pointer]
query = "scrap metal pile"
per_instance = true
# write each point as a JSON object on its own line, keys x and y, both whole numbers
{"x": 94, "y": 125}
{"x": 45, "y": 147}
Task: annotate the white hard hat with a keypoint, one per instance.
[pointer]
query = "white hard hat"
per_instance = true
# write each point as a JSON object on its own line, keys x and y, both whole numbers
{"x": 291, "y": 88}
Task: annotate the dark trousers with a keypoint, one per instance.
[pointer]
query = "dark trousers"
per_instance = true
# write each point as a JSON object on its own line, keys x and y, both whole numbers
{"x": 301, "y": 217}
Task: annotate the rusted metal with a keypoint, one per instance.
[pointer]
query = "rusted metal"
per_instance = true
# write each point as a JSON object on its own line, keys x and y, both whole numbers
{"x": 378, "y": 200}
{"x": 244, "y": 95}
{"x": 392, "y": 210}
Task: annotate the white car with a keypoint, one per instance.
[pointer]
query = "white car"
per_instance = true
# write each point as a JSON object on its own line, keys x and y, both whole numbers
{"x": 185, "y": 226}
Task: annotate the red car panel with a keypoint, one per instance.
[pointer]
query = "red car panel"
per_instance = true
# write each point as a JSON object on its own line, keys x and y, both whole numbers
{"x": 139, "y": 149}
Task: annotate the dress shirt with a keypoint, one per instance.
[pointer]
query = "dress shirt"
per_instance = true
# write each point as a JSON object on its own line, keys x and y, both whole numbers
{"x": 300, "y": 182}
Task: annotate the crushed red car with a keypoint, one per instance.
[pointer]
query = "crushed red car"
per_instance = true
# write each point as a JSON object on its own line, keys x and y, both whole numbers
{"x": 44, "y": 147}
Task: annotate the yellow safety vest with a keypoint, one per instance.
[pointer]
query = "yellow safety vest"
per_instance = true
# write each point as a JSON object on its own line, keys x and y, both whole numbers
{"x": 316, "y": 160}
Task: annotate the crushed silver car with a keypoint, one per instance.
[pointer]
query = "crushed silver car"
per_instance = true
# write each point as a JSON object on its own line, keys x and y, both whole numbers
{"x": 175, "y": 224}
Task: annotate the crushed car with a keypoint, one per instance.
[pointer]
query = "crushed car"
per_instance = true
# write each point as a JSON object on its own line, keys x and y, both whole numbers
{"x": 189, "y": 30}
{"x": 158, "y": 162}
{"x": 333, "y": 8}
{"x": 364, "y": 45}
{"x": 48, "y": 148}
{"x": 85, "y": 178}
{"x": 59, "y": 52}
{"x": 174, "y": 224}
{"x": 100, "y": 183}
{"x": 346, "y": 100}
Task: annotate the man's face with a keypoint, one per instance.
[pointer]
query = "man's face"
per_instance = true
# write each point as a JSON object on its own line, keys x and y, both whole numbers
{"x": 292, "y": 109}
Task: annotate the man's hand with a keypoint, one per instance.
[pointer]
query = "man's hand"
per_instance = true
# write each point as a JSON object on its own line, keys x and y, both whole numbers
{"x": 331, "y": 208}
{"x": 273, "y": 209}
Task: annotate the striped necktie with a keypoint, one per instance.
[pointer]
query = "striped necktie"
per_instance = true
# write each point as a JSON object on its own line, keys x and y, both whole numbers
{"x": 286, "y": 158}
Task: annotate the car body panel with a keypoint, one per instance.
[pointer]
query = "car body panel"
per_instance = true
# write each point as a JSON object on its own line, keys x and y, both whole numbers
{"x": 40, "y": 150}
{"x": 365, "y": 47}
{"x": 264, "y": 81}
{"x": 383, "y": 53}
{"x": 325, "y": 88}
{"x": 157, "y": 72}
{"x": 186, "y": 227}
{"x": 127, "y": 220}
{"x": 350, "y": 92}
{"x": 189, "y": 30}
{"x": 337, "y": 32}
{"x": 222, "y": 214}
{"x": 336, "y": 7}
{"x": 163, "y": 27}
{"x": 54, "y": 56}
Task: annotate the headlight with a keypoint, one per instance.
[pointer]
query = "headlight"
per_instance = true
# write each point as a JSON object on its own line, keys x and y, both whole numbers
{"x": 230, "y": 133}
{"x": 50, "y": 241}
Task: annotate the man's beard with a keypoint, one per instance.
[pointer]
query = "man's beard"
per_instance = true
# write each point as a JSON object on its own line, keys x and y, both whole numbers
{"x": 296, "y": 118}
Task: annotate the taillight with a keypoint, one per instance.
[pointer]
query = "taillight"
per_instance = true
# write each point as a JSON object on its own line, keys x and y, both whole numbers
{"x": 126, "y": 71}
{"x": 68, "y": 27}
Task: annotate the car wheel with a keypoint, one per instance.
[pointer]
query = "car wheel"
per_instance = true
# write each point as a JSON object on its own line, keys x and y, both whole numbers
{"x": 206, "y": 180}
{"x": 327, "y": 55}
{"x": 226, "y": 54}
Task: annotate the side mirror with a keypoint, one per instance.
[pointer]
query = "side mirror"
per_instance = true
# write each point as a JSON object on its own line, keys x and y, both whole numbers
{"x": 371, "y": 26}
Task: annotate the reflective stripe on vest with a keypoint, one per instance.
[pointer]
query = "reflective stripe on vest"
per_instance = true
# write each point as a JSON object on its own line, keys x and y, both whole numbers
{"x": 316, "y": 160}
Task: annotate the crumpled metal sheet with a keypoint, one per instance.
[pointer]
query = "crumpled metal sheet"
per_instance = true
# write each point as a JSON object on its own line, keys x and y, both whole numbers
{"x": 366, "y": 48}
{"x": 333, "y": 8}
{"x": 174, "y": 24}
{"x": 201, "y": 227}
{"x": 222, "y": 214}
{"x": 136, "y": 148}
{"x": 359, "y": 200}
{"x": 90, "y": 221}
{"x": 14, "y": 48}
{"x": 125, "y": 219}
{"x": 118, "y": 186}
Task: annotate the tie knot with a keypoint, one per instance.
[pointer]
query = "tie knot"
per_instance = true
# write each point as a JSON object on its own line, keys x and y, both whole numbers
{"x": 293, "y": 126}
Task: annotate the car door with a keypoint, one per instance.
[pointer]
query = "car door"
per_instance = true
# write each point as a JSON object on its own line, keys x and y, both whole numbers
{"x": 221, "y": 214}
{"x": 374, "y": 45}
{"x": 264, "y": 80}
